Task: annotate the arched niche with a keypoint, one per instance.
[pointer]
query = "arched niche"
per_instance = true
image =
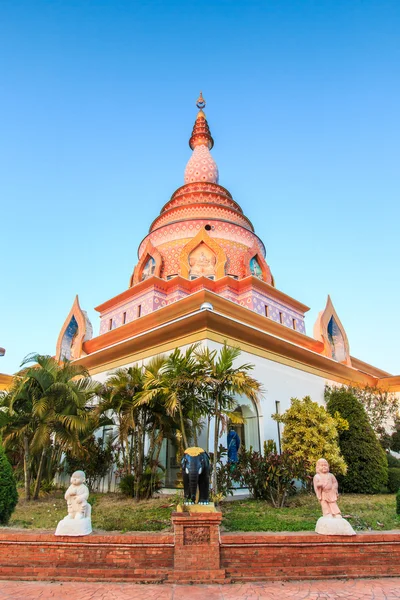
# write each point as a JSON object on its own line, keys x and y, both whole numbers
{"x": 329, "y": 329}
{"x": 256, "y": 265}
{"x": 76, "y": 330}
{"x": 202, "y": 262}
{"x": 149, "y": 265}
{"x": 249, "y": 431}
{"x": 201, "y": 255}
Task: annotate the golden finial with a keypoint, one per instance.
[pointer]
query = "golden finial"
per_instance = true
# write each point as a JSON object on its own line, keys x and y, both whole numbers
{"x": 200, "y": 102}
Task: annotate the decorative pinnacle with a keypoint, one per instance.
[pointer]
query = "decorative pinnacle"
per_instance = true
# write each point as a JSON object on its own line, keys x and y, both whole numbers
{"x": 200, "y": 101}
{"x": 201, "y": 135}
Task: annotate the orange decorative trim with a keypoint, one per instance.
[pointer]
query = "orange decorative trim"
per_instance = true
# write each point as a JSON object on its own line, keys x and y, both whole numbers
{"x": 160, "y": 332}
{"x": 150, "y": 251}
{"x": 214, "y": 286}
{"x": 202, "y": 237}
{"x": 321, "y": 332}
{"x": 84, "y": 331}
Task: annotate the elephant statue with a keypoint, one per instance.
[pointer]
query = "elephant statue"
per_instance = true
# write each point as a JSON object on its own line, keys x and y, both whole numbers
{"x": 196, "y": 472}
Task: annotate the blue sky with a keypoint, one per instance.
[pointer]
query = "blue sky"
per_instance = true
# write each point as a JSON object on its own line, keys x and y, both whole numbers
{"x": 97, "y": 103}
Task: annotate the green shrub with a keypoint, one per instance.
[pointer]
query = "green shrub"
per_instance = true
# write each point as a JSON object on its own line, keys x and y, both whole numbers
{"x": 270, "y": 476}
{"x": 96, "y": 460}
{"x": 127, "y": 485}
{"x": 398, "y": 502}
{"x": 393, "y": 461}
{"x": 8, "y": 489}
{"x": 311, "y": 433}
{"x": 366, "y": 460}
{"x": 393, "y": 480}
{"x": 225, "y": 472}
{"x": 151, "y": 481}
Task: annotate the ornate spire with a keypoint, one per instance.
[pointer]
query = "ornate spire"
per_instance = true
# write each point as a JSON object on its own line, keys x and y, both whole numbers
{"x": 201, "y": 165}
{"x": 201, "y": 135}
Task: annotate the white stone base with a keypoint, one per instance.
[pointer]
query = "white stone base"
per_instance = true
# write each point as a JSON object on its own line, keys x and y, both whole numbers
{"x": 334, "y": 526}
{"x": 75, "y": 527}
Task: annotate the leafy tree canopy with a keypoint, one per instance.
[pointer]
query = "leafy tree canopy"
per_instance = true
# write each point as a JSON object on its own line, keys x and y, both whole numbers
{"x": 367, "y": 464}
{"x": 311, "y": 433}
{"x": 8, "y": 489}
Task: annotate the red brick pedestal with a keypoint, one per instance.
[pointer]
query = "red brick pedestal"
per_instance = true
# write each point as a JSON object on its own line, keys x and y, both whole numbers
{"x": 197, "y": 553}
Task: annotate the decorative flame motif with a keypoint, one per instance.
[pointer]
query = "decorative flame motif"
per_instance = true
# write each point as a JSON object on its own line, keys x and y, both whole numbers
{"x": 329, "y": 330}
{"x": 76, "y": 330}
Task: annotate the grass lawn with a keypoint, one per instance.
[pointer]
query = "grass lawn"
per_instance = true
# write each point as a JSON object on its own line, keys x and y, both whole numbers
{"x": 365, "y": 513}
{"x": 113, "y": 512}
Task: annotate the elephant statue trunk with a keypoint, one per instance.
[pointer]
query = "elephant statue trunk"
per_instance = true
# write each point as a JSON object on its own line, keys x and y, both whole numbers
{"x": 196, "y": 474}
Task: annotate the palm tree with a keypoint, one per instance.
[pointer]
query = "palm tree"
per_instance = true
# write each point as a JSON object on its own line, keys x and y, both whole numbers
{"x": 118, "y": 402}
{"x": 222, "y": 382}
{"x": 17, "y": 425}
{"x": 55, "y": 399}
{"x": 136, "y": 420}
{"x": 176, "y": 382}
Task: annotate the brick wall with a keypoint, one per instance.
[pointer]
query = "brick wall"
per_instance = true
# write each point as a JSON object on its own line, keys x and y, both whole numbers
{"x": 196, "y": 553}
{"x": 138, "y": 557}
{"x": 247, "y": 557}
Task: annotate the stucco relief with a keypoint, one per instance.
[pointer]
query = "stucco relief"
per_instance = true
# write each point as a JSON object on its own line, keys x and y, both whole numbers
{"x": 194, "y": 536}
{"x": 202, "y": 262}
{"x": 210, "y": 258}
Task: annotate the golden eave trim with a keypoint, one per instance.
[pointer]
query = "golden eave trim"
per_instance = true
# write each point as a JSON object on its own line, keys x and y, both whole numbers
{"x": 210, "y": 323}
{"x": 5, "y": 381}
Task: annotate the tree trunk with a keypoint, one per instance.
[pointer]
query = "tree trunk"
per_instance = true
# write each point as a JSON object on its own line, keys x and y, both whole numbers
{"x": 139, "y": 464}
{"x": 195, "y": 438}
{"x": 27, "y": 472}
{"x": 39, "y": 475}
{"x": 216, "y": 432}
{"x": 208, "y": 434}
{"x": 185, "y": 442}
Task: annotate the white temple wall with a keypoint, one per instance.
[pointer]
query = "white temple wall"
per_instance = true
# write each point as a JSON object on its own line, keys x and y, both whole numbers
{"x": 280, "y": 383}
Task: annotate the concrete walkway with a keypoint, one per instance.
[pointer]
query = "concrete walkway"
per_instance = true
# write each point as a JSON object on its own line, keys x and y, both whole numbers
{"x": 354, "y": 589}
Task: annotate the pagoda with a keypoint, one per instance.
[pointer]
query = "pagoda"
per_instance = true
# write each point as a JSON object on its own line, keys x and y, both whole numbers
{"x": 202, "y": 275}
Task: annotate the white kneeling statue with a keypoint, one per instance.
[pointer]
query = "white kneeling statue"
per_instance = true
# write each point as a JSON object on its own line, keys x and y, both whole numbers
{"x": 78, "y": 521}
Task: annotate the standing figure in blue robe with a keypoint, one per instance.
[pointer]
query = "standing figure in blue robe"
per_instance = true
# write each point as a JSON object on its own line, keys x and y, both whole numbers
{"x": 233, "y": 446}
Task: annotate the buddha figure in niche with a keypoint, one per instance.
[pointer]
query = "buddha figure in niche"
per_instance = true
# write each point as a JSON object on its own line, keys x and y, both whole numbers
{"x": 202, "y": 262}
{"x": 336, "y": 341}
{"x": 255, "y": 268}
{"x": 149, "y": 268}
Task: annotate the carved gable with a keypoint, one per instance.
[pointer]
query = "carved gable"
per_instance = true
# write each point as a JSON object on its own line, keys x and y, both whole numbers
{"x": 149, "y": 264}
{"x": 256, "y": 265}
{"x": 331, "y": 332}
{"x": 77, "y": 329}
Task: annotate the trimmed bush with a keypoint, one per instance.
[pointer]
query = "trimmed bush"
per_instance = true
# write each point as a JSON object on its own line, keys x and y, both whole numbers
{"x": 8, "y": 489}
{"x": 398, "y": 502}
{"x": 366, "y": 460}
{"x": 393, "y": 480}
{"x": 393, "y": 461}
{"x": 311, "y": 433}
